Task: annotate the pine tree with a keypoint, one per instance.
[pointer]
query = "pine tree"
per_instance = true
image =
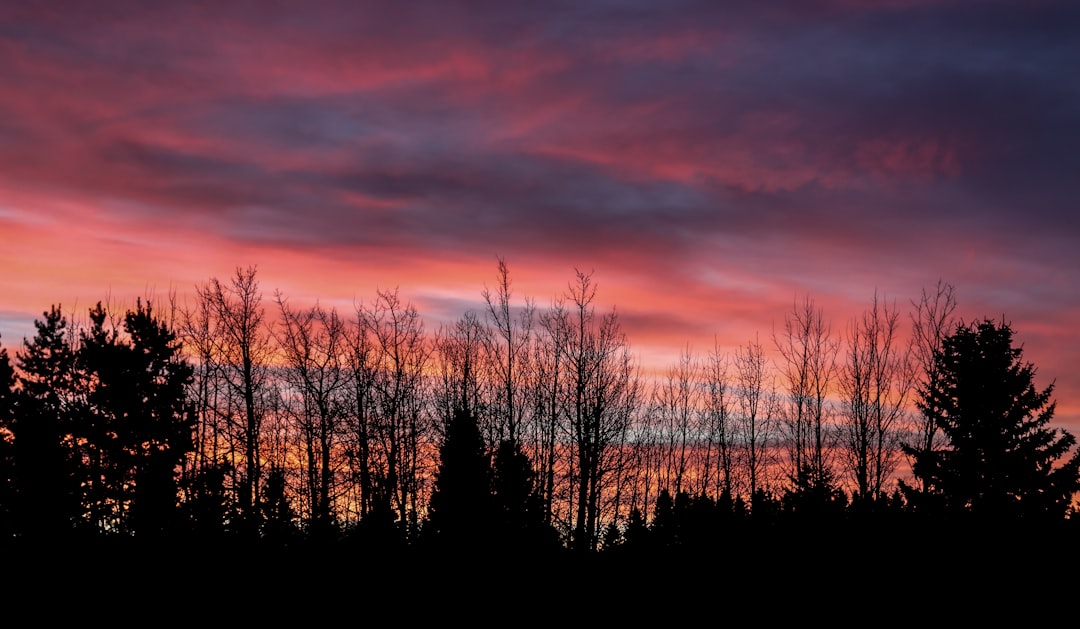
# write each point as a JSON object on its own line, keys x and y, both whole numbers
{"x": 162, "y": 435}
{"x": 137, "y": 428}
{"x": 45, "y": 462}
{"x": 1002, "y": 460}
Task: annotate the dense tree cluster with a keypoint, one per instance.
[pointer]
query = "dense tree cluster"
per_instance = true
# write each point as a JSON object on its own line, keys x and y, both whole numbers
{"x": 97, "y": 425}
{"x": 241, "y": 417}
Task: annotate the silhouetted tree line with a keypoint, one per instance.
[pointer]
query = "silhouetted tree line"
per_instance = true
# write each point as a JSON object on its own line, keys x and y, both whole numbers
{"x": 517, "y": 428}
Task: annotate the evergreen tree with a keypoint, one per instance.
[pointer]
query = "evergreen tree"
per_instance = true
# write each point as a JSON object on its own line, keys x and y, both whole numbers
{"x": 205, "y": 503}
{"x": 816, "y": 496}
{"x": 664, "y": 528}
{"x": 278, "y": 516}
{"x": 461, "y": 506}
{"x": 612, "y": 538}
{"x": 138, "y": 424}
{"x": 45, "y": 464}
{"x": 97, "y": 435}
{"x": 636, "y": 535}
{"x": 1001, "y": 459}
{"x": 519, "y": 510}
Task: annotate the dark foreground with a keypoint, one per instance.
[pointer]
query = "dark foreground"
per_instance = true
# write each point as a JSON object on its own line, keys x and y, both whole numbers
{"x": 837, "y": 575}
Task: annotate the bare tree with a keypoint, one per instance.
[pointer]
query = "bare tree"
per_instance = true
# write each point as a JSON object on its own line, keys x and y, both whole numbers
{"x": 643, "y": 459}
{"x": 461, "y": 372}
{"x": 807, "y": 367}
{"x": 603, "y": 388}
{"x": 874, "y": 384}
{"x": 757, "y": 408}
{"x": 404, "y": 456}
{"x": 932, "y": 320}
{"x": 719, "y": 417}
{"x": 314, "y": 345}
{"x": 242, "y": 342}
{"x": 508, "y": 352}
{"x": 198, "y": 329}
{"x": 363, "y": 363}
{"x": 675, "y": 404}
{"x": 550, "y": 412}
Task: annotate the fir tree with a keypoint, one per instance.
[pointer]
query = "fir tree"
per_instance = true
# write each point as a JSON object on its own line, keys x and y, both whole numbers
{"x": 1002, "y": 460}
{"x": 461, "y": 507}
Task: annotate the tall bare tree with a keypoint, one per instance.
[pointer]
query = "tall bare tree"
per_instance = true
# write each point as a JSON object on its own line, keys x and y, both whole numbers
{"x": 645, "y": 458}
{"x": 363, "y": 364}
{"x": 242, "y": 342}
{"x": 875, "y": 382}
{"x": 757, "y": 415}
{"x": 314, "y": 346}
{"x": 211, "y": 501}
{"x": 932, "y": 319}
{"x": 508, "y": 352}
{"x": 807, "y": 367}
{"x": 403, "y": 431}
{"x": 550, "y": 410}
{"x": 717, "y": 408}
{"x": 603, "y": 388}
{"x": 675, "y": 404}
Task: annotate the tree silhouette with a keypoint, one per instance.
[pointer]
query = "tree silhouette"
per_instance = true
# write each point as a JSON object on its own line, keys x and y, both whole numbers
{"x": 45, "y": 466}
{"x": 815, "y": 496}
{"x": 808, "y": 366}
{"x": 519, "y": 510}
{"x": 931, "y": 321}
{"x": 461, "y": 505}
{"x": 278, "y": 516}
{"x": 137, "y": 425}
{"x": 206, "y": 507}
{"x": 96, "y": 429}
{"x": 1001, "y": 460}
{"x": 875, "y": 381}
{"x": 757, "y": 416}
{"x": 401, "y": 354}
{"x": 603, "y": 389}
{"x": 507, "y": 351}
{"x": 7, "y": 457}
{"x": 241, "y": 345}
{"x": 313, "y": 345}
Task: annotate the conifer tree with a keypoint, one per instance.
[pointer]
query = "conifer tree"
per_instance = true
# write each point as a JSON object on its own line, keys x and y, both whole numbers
{"x": 278, "y": 515}
{"x": 45, "y": 465}
{"x": 519, "y": 510}
{"x": 1002, "y": 460}
{"x": 138, "y": 424}
{"x": 461, "y": 505}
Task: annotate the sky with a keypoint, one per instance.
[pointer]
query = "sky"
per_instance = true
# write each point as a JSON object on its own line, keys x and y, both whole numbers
{"x": 710, "y": 163}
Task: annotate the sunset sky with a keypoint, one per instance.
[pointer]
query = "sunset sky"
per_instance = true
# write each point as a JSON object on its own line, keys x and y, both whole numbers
{"x": 709, "y": 162}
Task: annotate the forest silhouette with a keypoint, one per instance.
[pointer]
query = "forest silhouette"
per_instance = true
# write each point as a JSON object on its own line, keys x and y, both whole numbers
{"x": 244, "y": 427}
